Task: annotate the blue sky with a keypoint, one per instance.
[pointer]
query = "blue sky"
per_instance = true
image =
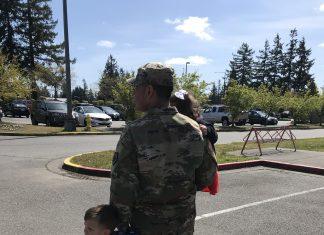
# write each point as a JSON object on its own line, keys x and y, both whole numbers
{"x": 205, "y": 32}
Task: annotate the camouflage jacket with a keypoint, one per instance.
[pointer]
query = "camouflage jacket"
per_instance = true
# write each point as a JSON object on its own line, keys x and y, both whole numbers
{"x": 155, "y": 167}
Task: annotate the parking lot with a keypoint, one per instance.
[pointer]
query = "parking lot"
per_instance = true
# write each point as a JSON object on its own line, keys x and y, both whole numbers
{"x": 263, "y": 201}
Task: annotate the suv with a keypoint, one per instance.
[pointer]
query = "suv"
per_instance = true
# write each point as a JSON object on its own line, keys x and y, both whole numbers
{"x": 220, "y": 114}
{"x": 50, "y": 112}
{"x": 1, "y": 113}
{"x": 16, "y": 108}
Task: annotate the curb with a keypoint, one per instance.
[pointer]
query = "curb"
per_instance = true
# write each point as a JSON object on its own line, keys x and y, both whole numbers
{"x": 60, "y": 133}
{"x": 68, "y": 165}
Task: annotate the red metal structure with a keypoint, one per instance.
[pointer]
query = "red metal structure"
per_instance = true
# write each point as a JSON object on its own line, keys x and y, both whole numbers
{"x": 269, "y": 134}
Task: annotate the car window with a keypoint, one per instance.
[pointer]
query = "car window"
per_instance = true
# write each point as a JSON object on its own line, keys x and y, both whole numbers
{"x": 214, "y": 109}
{"x": 221, "y": 109}
{"x": 56, "y": 106}
{"x": 207, "y": 110}
{"x": 91, "y": 109}
{"x": 108, "y": 109}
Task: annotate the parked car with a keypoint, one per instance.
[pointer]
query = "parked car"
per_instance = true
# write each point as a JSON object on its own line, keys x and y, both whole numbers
{"x": 110, "y": 112}
{"x": 50, "y": 112}
{"x": 259, "y": 117}
{"x": 16, "y": 108}
{"x": 98, "y": 117}
{"x": 120, "y": 109}
{"x": 220, "y": 114}
{"x": 1, "y": 113}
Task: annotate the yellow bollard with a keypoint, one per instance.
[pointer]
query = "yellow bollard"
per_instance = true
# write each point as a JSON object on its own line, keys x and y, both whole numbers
{"x": 88, "y": 123}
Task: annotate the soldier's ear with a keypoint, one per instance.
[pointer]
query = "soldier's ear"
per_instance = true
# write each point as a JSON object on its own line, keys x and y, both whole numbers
{"x": 149, "y": 91}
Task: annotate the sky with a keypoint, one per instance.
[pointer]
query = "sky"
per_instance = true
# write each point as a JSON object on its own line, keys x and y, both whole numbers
{"x": 205, "y": 33}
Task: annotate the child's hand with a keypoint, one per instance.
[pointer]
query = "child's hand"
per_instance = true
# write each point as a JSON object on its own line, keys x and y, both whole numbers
{"x": 203, "y": 129}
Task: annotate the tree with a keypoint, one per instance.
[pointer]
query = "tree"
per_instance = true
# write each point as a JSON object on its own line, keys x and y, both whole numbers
{"x": 262, "y": 67}
{"x": 85, "y": 89}
{"x": 266, "y": 100}
{"x": 303, "y": 78}
{"x": 191, "y": 83}
{"x": 109, "y": 79}
{"x": 78, "y": 94}
{"x": 53, "y": 76}
{"x": 38, "y": 35}
{"x": 213, "y": 96}
{"x": 123, "y": 94}
{"x": 238, "y": 98}
{"x": 276, "y": 64}
{"x": 241, "y": 67}
{"x": 9, "y": 21}
{"x": 12, "y": 84}
{"x": 289, "y": 67}
{"x": 91, "y": 96}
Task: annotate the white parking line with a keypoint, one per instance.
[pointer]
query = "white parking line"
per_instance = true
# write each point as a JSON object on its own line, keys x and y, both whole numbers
{"x": 255, "y": 204}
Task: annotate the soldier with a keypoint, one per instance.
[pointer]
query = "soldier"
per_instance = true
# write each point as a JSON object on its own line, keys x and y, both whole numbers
{"x": 159, "y": 162}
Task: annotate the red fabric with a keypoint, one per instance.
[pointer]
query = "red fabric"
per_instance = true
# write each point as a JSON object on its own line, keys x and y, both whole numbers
{"x": 214, "y": 187}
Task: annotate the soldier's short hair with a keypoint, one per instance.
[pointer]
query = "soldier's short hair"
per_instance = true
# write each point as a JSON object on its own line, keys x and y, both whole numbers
{"x": 105, "y": 215}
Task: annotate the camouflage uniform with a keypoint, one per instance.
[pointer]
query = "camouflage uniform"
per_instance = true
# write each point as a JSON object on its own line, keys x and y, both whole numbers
{"x": 155, "y": 169}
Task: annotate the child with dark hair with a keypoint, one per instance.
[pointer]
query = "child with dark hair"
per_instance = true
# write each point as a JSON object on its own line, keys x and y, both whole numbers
{"x": 100, "y": 220}
{"x": 187, "y": 105}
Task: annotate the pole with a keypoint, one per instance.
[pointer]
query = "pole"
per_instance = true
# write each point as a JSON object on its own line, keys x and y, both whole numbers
{"x": 69, "y": 123}
{"x": 187, "y": 67}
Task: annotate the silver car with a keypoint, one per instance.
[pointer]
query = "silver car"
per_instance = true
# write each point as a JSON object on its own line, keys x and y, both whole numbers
{"x": 97, "y": 116}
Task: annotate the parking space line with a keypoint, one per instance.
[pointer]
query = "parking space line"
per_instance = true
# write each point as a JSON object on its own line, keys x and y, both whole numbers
{"x": 256, "y": 203}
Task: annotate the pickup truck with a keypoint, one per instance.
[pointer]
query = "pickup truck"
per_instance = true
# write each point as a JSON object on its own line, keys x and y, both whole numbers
{"x": 220, "y": 114}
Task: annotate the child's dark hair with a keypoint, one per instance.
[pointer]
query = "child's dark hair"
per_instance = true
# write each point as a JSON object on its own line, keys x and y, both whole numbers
{"x": 188, "y": 106}
{"x": 105, "y": 215}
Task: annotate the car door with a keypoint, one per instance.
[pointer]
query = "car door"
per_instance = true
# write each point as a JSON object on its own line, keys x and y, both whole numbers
{"x": 42, "y": 116}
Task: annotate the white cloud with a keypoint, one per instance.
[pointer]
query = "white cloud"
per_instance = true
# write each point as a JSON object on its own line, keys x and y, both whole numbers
{"x": 194, "y": 60}
{"x": 200, "y": 27}
{"x": 321, "y": 8}
{"x": 321, "y": 45}
{"x": 106, "y": 43}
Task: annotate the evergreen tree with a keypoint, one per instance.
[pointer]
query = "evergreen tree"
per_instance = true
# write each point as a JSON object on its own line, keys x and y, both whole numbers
{"x": 38, "y": 35}
{"x": 85, "y": 90}
{"x": 303, "y": 76}
{"x": 78, "y": 94}
{"x": 9, "y": 20}
{"x": 91, "y": 96}
{"x": 276, "y": 64}
{"x": 290, "y": 63}
{"x": 263, "y": 66}
{"x": 109, "y": 79}
{"x": 213, "y": 96}
{"x": 242, "y": 65}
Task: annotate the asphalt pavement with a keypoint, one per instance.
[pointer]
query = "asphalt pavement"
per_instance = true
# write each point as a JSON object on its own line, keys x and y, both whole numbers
{"x": 38, "y": 197}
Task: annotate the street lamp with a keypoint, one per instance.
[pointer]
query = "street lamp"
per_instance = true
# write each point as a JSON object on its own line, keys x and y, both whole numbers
{"x": 187, "y": 67}
{"x": 69, "y": 124}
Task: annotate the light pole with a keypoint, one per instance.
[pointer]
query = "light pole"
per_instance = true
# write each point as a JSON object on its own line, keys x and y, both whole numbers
{"x": 187, "y": 67}
{"x": 69, "y": 124}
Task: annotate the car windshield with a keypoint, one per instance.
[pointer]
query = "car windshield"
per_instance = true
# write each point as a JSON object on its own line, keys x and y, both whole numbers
{"x": 91, "y": 109}
{"x": 263, "y": 114}
{"x": 19, "y": 105}
{"x": 56, "y": 106}
{"x": 108, "y": 109}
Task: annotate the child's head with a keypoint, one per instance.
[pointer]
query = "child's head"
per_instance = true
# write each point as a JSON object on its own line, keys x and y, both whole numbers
{"x": 100, "y": 220}
{"x": 185, "y": 103}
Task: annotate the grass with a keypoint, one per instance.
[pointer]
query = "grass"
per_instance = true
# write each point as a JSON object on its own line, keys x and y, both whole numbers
{"x": 40, "y": 129}
{"x": 103, "y": 159}
{"x": 97, "y": 160}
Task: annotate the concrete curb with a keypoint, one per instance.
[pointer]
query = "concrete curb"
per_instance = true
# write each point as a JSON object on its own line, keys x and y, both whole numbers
{"x": 60, "y": 133}
{"x": 68, "y": 165}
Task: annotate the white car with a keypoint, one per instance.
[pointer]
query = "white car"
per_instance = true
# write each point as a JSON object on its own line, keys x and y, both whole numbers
{"x": 97, "y": 116}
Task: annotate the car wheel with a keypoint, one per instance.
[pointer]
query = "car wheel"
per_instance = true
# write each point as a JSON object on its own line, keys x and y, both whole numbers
{"x": 225, "y": 122}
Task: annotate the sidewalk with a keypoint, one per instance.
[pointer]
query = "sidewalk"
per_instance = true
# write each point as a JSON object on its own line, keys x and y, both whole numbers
{"x": 300, "y": 157}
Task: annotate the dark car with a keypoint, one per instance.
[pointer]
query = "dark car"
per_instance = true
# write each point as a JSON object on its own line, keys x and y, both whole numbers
{"x": 120, "y": 109}
{"x": 110, "y": 111}
{"x": 1, "y": 113}
{"x": 49, "y": 112}
{"x": 259, "y": 117}
{"x": 16, "y": 108}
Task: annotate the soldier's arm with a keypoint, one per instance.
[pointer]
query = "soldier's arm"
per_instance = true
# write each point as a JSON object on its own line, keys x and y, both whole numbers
{"x": 124, "y": 178}
{"x": 204, "y": 174}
